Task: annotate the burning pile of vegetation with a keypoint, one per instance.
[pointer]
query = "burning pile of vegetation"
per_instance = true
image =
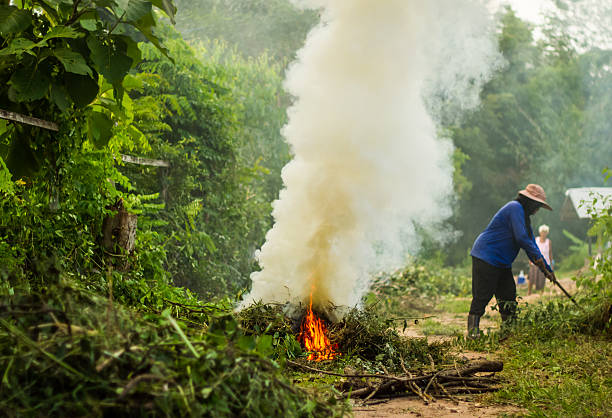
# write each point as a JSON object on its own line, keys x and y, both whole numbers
{"x": 361, "y": 338}
{"x": 369, "y": 358}
{"x": 314, "y": 337}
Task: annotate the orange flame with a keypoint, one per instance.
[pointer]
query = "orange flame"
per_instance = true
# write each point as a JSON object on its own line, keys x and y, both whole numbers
{"x": 313, "y": 334}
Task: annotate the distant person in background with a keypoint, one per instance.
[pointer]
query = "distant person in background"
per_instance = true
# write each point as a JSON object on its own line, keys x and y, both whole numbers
{"x": 496, "y": 248}
{"x": 536, "y": 277}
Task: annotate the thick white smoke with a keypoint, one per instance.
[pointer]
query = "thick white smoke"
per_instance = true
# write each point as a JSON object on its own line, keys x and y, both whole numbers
{"x": 367, "y": 161}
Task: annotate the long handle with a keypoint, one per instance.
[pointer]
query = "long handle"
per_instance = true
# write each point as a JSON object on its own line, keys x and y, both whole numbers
{"x": 555, "y": 281}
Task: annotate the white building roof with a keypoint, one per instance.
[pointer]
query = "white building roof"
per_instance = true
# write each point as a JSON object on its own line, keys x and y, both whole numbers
{"x": 579, "y": 202}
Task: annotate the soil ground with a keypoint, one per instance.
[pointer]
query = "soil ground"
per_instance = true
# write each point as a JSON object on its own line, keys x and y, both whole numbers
{"x": 409, "y": 407}
{"x": 448, "y": 321}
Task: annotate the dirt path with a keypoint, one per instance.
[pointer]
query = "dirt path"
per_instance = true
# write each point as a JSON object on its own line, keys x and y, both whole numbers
{"x": 448, "y": 321}
{"x": 409, "y": 407}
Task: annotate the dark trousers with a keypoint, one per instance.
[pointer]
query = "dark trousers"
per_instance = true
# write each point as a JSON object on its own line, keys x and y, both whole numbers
{"x": 488, "y": 280}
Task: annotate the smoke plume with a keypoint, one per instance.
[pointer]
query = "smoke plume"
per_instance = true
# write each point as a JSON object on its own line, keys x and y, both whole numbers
{"x": 367, "y": 162}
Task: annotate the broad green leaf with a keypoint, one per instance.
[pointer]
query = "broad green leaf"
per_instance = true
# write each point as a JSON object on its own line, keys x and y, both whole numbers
{"x": 29, "y": 83}
{"x": 21, "y": 161}
{"x": 50, "y": 11}
{"x": 125, "y": 30}
{"x": 18, "y": 46}
{"x": 167, "y": 6}
{"x": 123, "y": 5}
{"x": 106, "y": 17}
{"x": 81, "y": 88}
{"x": 113, "y": 65}
{"x": 62, "y": 32}
{"x": 137, "y": 9}
{"x": 60, "y": 97}
{"x": 132, "y": 82}
{"x": 100, "y": 128}
{"x": 13, "y": 20}
{"x": 6, "y": 184}
{"x": 132, "y": 49}
{"x": 89, "y": 24}
{"x": 146, "y": 27}
{"x": 73, "y": 62}
{"x": 104, "y": 3}
{"x": 265, "y": 345}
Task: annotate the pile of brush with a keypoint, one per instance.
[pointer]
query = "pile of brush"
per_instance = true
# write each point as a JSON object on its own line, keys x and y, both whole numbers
{"x": 443, "y": 383}
{"x": 71, "y": 352}
{"x": 390, "y": 365}
{"x": 360, "y": 336}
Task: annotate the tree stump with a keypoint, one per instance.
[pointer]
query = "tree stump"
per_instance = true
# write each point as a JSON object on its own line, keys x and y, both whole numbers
{"x": 120, "y": 229}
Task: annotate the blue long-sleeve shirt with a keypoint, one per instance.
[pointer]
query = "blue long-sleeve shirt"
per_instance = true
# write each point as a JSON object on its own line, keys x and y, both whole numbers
{"x": 506, "y": 234}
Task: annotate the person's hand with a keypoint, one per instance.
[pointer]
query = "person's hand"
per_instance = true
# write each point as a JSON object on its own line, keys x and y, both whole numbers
{"x": 542, "y": 266}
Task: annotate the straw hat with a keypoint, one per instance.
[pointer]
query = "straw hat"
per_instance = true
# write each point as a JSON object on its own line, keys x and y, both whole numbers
{"x": 536, "y": 192}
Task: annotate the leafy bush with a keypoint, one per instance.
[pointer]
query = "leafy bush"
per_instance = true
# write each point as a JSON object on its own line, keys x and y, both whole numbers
{"x": 72, "y": 353}
{"x": 578, "y": 253}
{"x": 599, "y": 282}
{"x": 560, "y": 317}
{"x": 420, "y": 282}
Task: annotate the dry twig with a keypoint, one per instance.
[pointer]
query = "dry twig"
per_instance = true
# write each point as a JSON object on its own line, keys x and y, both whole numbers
{"x": 442, "y": 383}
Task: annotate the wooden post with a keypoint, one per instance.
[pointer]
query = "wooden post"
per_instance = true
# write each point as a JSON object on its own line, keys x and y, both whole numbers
{"x": 144, "y": 161}
{"x": 29, "y": 120}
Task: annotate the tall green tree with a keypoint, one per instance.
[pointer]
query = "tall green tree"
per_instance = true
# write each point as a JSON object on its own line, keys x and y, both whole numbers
{"x": 254, "y": 26}
{"x": 536, "y": 124}
{"x": 216, "y": 117}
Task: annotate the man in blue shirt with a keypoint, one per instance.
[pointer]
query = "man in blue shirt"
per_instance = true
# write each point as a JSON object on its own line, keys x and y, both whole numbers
{"x": 496, "y": 248}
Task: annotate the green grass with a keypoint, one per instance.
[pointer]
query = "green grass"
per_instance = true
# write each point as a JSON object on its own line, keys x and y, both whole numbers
{"x": 559, "y": 377}
{"x": 455, "y": 305}
{"x": 433, "y": 327}
{"x": 557, "y": 359}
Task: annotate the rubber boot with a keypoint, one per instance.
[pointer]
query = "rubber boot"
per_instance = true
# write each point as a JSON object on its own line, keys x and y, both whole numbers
{"x": 507, "y": 311}
{"x": 506, "y": 325}
{"x": 473, "y": 326}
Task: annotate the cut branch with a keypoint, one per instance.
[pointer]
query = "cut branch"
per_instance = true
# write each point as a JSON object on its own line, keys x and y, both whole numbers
{"x": 442, "y": 383}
